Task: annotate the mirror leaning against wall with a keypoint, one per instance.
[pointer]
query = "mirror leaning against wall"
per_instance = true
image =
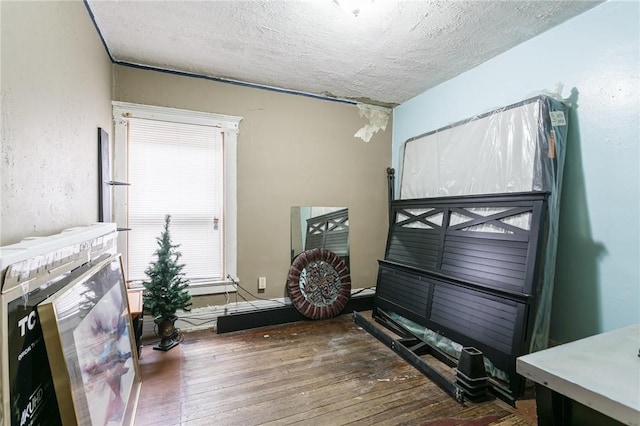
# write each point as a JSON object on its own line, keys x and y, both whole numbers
{"x": 319, "y": 283}
{"x": 320, "y": 227}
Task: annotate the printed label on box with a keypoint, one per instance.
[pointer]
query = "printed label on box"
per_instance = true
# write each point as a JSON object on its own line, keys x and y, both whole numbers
{"x": 557, "y": 118}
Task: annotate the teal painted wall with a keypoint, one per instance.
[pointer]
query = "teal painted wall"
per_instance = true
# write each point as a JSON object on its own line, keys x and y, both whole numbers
{"x": 596, "y": 58}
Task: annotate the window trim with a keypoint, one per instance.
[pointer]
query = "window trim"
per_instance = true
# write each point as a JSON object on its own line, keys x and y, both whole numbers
{"x": 229, "y": 125}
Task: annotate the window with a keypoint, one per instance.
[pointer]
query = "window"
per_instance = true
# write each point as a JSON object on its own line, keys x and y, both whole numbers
{"x": 180, "y": 163}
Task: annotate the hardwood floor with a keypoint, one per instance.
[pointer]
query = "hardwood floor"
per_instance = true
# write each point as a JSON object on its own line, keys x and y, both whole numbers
{"x": 312, "y": 373}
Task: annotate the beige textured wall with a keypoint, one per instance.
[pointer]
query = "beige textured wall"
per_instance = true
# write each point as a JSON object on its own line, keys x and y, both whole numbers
{"x": 56, "y": 91}
{"x": 292, "y": 150}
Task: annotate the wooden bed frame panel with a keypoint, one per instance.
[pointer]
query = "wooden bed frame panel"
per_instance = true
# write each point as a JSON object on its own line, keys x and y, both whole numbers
{"x": 474, "y": 287}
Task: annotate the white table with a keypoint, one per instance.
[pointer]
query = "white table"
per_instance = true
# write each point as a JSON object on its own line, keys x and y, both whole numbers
{"x": 601, "y": 372}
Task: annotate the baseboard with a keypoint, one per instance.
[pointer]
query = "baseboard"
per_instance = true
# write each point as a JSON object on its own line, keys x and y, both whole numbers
{"x": 252, "y": 314}
{"x": 281, "y": 315}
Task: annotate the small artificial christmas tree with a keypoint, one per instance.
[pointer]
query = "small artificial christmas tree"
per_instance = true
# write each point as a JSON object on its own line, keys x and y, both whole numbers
{"x": 166, "y": 290}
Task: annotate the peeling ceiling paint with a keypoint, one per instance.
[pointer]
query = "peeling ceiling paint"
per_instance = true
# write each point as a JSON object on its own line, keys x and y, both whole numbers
{"x": 391, "y": 52}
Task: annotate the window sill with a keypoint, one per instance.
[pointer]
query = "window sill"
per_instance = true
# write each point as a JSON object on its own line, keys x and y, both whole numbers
{"x": 198, "y": 289}
{"x": 219, "y": 287}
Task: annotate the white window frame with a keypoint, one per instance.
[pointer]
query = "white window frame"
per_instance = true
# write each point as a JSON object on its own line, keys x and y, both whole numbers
{"x": 229, "y": 125}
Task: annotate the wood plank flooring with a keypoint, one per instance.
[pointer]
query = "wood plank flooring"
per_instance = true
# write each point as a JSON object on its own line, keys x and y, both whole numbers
{"x": 308, "y": 373}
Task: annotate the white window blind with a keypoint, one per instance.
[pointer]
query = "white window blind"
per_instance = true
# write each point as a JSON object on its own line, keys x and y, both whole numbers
{"x": 177, "y": 169}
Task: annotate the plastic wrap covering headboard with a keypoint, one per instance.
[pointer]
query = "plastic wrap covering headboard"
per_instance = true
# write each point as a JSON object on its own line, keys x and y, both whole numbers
{"x": 466, "y": 268}
{"x": 329, "y": 231}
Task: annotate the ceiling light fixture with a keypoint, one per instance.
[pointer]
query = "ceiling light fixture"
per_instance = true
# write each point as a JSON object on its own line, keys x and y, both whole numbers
{"x": 353, "y": 6}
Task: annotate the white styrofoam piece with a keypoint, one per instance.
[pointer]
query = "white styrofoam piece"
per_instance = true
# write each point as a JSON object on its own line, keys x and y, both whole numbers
{"x": 36, "y": 246}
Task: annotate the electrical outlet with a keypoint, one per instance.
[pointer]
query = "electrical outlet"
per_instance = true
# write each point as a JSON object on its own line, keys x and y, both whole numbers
{"x": 262, "y": 283}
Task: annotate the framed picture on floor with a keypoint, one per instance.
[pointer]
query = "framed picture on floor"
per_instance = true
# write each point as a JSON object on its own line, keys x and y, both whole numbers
{"x": 90, "y": 345}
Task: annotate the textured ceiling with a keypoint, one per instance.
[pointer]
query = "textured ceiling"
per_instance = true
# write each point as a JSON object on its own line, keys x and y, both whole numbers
{"x": 392, "y": 51}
